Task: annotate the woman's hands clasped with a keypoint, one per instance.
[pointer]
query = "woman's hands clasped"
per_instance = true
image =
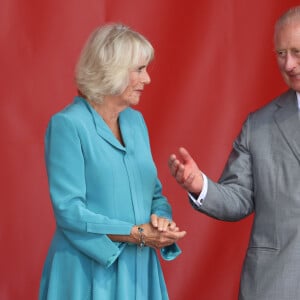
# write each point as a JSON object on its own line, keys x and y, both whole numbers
{"x": 159, "y": 232}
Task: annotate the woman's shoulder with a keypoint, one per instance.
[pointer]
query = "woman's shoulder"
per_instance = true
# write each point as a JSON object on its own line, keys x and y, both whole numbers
{"x": 77, "y": 110}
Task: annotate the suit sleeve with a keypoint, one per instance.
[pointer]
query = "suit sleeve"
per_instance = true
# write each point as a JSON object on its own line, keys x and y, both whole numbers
{"x": 231, "y": 199}
{"x": 87, "y": 231}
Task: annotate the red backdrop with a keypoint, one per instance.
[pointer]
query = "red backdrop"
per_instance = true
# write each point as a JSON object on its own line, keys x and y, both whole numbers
{"x": 214, "y": 63}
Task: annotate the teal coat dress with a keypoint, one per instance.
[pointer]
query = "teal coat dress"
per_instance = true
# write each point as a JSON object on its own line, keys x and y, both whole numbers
{"x": 99, "y": 187}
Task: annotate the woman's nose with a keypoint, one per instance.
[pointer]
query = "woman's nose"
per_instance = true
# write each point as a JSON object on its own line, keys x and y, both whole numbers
{"x": 146, "y": 78}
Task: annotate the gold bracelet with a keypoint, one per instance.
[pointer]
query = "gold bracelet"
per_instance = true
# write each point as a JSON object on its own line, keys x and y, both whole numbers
{"x": 142, "y": 239}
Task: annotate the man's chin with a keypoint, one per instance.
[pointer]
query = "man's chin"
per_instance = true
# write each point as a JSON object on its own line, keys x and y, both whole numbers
{"x": 295, "y": 87}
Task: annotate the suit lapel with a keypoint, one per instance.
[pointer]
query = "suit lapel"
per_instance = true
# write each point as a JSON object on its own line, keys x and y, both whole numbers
{"x": 287, "y": 119}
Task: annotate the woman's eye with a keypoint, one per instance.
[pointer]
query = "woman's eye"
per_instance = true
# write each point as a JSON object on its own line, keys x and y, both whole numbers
{"x": 141, "y": 68}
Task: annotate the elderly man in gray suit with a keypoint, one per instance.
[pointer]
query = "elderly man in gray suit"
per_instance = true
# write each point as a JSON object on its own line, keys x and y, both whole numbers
{"x": 262, "y": 175}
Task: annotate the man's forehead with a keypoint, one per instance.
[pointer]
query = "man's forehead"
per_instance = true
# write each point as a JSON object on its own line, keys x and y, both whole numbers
{"x": 288, "y": 32}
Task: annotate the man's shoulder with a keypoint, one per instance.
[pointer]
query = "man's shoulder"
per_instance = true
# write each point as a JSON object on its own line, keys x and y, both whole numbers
{"x": 275, "y": 103}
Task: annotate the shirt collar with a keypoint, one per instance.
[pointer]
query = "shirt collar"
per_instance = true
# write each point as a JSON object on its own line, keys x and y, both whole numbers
{"x": 298, "y": 99}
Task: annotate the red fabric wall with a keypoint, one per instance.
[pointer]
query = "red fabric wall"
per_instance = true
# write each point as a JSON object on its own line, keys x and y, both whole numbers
{"x": 214, "y": 63}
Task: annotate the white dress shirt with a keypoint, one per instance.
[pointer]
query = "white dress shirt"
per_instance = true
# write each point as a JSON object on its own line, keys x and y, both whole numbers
{"x": 199, "y": 200}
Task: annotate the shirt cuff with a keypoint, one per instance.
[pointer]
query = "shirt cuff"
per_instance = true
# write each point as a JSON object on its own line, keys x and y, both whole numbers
{"x": 198, "y": 199}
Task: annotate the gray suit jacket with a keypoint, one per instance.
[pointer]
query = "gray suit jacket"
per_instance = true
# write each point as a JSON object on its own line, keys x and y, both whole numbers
{"x": 262, "y": 175}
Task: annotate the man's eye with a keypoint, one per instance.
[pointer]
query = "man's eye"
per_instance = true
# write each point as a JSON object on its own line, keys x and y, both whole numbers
{"x": 296, "y": 52}
{"x": 281, "y": 53}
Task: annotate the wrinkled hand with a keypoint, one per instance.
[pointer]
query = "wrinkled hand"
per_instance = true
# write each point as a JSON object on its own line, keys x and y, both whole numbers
{"x": 159, "y": 233}
{"x": 186, "y": 172}
{"x": 163, "y": 224}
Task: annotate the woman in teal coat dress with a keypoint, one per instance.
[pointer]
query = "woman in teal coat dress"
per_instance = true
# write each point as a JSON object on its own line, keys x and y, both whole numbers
{"x": 109, "y": 209}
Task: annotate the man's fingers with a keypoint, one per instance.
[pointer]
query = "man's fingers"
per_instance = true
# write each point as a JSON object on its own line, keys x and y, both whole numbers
{"x": 173, "y": 164}
{"x": 184, "y": 154}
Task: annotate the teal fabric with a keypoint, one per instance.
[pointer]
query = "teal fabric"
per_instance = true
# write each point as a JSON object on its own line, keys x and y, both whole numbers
{"x": 99, "y": 187}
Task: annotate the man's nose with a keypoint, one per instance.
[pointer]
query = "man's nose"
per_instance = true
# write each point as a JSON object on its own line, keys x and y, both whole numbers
{"x": 290, "y": 62}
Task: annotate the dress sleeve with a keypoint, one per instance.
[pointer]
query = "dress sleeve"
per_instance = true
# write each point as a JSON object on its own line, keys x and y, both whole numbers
{"x": 86, "y": 230}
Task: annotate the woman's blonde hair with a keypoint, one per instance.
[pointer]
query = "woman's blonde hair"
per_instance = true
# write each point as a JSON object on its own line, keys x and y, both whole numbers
{"x": 109, "y": 54}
